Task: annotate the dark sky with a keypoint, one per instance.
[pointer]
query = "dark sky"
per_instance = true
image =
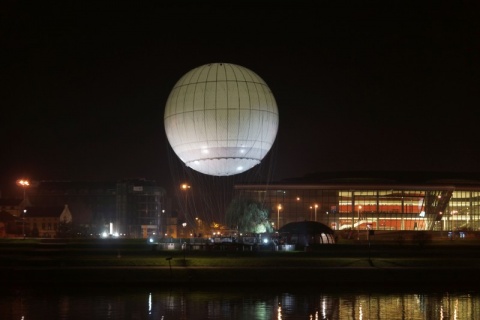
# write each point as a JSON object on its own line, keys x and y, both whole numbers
{"x": 359, "y": 86}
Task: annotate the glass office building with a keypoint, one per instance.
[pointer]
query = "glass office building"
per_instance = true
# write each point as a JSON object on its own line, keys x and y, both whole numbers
{"x": 128, "y": 207}
{"x": 395, "y": 201}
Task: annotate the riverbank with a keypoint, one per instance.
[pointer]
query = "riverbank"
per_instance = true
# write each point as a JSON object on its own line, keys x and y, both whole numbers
{"x": 369, "y": 276}
{"x": 134, "y": 263}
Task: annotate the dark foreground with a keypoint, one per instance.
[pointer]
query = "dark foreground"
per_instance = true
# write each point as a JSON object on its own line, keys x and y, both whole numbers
{"x": 134, "y": 263}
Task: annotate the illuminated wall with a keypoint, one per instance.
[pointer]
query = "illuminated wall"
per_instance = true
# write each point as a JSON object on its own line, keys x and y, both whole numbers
{"x": 379, "y": 208}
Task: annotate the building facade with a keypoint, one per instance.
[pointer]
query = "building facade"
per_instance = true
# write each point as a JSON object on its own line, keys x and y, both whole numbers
{"x": 402, "y": 202}
{"x": 130, "y": 208}
{"x": 139, "y": 208}
{"x": 11, "y": 217}
{"x": 47, "y": 222}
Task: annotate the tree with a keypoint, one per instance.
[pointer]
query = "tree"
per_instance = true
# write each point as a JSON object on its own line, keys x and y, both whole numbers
{"x": 65, "y": 230}
{"x": 247, "y": 215}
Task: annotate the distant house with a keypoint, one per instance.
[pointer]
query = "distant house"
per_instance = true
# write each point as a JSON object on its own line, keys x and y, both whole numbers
{"x": 13, "y": 206}
{"x": 46, "y": 222}
{"x": 10, "y": 217}
{"x": 8, "y": 224}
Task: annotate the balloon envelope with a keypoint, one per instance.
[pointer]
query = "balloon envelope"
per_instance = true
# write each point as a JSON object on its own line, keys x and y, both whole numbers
{"x": 221, "y": 119}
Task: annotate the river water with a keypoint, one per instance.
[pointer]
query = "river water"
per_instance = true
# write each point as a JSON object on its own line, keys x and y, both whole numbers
{"x": 93, "y": 303}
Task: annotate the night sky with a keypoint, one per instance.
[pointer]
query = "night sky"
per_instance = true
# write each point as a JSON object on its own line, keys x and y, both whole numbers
{"x": 359, "y": 86}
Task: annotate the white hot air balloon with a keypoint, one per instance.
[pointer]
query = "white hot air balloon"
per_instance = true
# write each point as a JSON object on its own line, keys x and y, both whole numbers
{"x": 221, "y": 119}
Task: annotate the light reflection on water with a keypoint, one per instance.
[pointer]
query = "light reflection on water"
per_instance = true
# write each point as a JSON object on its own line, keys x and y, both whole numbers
{"x": 233, "y": 303}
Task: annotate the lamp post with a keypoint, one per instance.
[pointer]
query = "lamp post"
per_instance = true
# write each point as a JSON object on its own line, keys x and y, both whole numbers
{"x": 24, "y": 183}
{"x": 316, "y": 206}
{"x": 358, "y": 223}
{"x": 184, "y": 244}
{"x": 185, "y": 187}
{"x": 23, "y": 222}
{"x": 279, "y": 207}
{"x": 296, "y": 208}
{"x": 160, "y": 226}
{"x": 184, "y": 224}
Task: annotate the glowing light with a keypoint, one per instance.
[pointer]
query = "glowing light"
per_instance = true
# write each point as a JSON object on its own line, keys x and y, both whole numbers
{"x": 150, "y": 303}
{"x": 324, "y": 308}
{"x": 279, "y": 207}
{"x": 23, "y": 183}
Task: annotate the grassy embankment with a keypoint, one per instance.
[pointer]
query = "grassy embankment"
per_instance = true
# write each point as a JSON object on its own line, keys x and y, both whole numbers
{"x": 137, "y": 253}
{"x": 134, "y": 261}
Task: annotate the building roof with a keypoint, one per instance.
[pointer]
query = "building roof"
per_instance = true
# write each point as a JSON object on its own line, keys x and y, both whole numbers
{"x": 5, "y": 217}
{"x": 388, "y": 177}
{"x": 376, "y": 180}
{"x": 44, "y": 212}
{"x": 67, "y": 184}
{"x": 77, "y": 187}
{"x": 10, "y": 202}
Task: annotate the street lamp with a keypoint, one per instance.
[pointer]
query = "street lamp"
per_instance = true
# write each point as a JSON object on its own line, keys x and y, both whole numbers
{"x": 184, "y": 224}
{"x": 279, "y": 207}
{"x": 316, "y": 206}
{"x": 164, "y": 220}
{"x": 24, "y": 183}
{"x": 184, "y": 244}
{"x": 23, "y": 224}
{"x": 185, "y": 187}
{"x": 296, "y": 208}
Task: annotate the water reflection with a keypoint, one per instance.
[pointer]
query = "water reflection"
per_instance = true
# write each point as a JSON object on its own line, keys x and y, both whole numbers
{"x": 233, "y": 303}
